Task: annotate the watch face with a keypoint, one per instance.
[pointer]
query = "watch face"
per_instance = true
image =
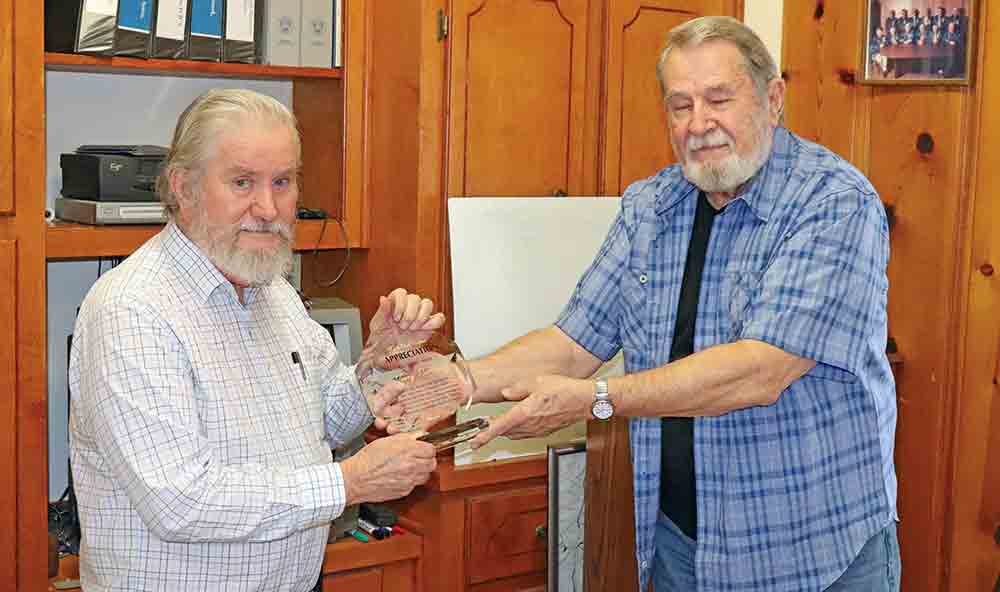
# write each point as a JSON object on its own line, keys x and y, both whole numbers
{"x": 602, "y": 409}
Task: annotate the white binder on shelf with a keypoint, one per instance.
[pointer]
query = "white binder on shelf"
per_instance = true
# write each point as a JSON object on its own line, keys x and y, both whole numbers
{"x": 282, "y": 20}
{"x": 316, "y": 41}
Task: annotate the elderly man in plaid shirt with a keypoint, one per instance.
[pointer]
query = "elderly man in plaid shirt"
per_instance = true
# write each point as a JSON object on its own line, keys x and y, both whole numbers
{"x": 205, "y": 401}
{"x": 746, "y": 286}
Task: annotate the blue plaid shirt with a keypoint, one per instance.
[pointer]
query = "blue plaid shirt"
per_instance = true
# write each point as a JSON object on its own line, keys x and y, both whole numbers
{"x": 788, "y": 493}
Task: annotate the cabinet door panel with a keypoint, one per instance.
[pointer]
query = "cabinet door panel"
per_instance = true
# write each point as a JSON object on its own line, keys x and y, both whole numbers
{"x": 8, "y": 410}
{"x": 518, "y": 83}
{"x": 6, "y": 106}
{"x": 504, "y": 538}
{"x": 636, "y": 142}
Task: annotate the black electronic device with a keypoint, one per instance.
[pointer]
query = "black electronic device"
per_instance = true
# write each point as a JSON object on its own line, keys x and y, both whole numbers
{"x": 114, "y": 173}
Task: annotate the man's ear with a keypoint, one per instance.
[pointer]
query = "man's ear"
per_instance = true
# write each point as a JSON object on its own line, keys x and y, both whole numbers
{"x": 776, "y": 100}
{"x": 181, "y": 188}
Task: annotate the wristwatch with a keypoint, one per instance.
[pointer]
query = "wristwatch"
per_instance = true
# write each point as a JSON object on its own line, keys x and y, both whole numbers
{"x": 602, "y": 408}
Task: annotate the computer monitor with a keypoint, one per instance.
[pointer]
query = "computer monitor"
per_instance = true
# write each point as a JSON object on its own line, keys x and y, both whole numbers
{"x": 343, "y": 320}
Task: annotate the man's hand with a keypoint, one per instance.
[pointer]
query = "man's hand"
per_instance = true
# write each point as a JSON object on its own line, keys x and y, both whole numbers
{"x": 408, "y": 312}
{"x": 547, "y": 403}
{"x": 388, "y": 468}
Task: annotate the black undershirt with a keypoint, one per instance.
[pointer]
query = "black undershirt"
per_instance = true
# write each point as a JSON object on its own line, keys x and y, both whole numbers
{"x": 677, "y": 486}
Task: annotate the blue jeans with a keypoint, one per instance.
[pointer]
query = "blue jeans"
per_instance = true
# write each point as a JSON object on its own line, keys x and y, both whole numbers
{"x": 875, "y": 569}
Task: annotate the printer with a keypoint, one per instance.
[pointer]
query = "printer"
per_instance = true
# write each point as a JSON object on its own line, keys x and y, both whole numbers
{"x": 120, "y": 173}
{"x": 111, "y": 184}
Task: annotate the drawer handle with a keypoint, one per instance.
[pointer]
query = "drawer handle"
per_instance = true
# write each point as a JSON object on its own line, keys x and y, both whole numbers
{"x": 541, "y": 531}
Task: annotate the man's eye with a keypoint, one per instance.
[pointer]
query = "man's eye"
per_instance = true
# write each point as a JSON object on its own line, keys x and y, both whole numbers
{"x": 242, "y": 183}
{"x": 283, "y": 182}
{"x": 680, "y": 108}
{"x": 720, "y": 101}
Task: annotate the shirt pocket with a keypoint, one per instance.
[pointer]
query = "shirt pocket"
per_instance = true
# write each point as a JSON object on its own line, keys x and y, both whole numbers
{"x": 738, "y": 291}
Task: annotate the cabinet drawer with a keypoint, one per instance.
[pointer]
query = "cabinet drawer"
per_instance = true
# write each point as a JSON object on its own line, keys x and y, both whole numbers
{"x": 369, "y": 580}
{"x": 505, "y": 534}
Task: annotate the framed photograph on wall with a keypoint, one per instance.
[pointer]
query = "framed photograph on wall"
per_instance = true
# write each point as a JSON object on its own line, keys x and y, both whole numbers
{"x": 918, "y": 41}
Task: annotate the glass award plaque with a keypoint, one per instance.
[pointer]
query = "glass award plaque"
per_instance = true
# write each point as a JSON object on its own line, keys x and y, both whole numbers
{"x": 430, "y": 367}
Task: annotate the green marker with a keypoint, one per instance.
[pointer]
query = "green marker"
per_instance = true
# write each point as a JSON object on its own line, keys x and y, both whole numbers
{"x": 359, "y": 535}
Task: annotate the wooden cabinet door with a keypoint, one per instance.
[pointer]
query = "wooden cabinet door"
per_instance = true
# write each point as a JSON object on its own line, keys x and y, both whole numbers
{"x": 6, "y": 107}
{"x": 518, "y": 91}
{"x": 8, "y": 410}
{"x": 635, "y": 131}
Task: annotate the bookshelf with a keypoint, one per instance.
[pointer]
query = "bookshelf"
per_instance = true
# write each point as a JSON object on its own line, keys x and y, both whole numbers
{"x": 68, "y": 62}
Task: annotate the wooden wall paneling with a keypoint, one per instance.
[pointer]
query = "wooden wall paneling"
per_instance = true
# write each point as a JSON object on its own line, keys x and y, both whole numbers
{"x": 928, "y": 193}
{"x": 518, "y": 82}
{"x": 6, "y": 106}
{"x": 8, "y": 409}
{"x": 974, "y": 500}
{"x": 29, "y": 190}
{"x": 822, "y": 102}
{"x": 609, "y": 547}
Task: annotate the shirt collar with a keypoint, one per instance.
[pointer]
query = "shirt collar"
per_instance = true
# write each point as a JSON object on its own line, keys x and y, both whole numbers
{"x": 198, "y": 272}
{"x": 764, "y": 187}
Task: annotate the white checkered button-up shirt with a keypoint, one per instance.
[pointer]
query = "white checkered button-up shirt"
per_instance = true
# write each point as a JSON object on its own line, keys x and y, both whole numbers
{"x": 200, "y": 453}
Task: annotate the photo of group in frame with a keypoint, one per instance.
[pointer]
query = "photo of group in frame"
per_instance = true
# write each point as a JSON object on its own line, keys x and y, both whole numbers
{"x": 918, "y": 41}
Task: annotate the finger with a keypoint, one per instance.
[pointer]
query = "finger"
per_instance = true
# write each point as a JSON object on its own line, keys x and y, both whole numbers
{"x": 410, "y": 313}
{"x": 425, "y": 310}
{"x": 434, "y": 322}
{"x": 499, "y": 426}
{"x": 398, "y": 298}
{"x": 381, "y": 424}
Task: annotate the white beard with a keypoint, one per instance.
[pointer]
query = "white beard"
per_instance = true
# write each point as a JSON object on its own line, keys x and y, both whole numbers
{"x": 257, "y": 267}
{"x": 730, "y": 173}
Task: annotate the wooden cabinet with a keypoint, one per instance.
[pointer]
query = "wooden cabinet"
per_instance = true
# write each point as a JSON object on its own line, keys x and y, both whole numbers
{"x": 481, "y": 526}
{"x": 519, "y": 94}
{"x": 8, "y": 407}
{"x": 6, "y": 107}
{"x": 389, "y": 565}
{"x": 634, "y": 134}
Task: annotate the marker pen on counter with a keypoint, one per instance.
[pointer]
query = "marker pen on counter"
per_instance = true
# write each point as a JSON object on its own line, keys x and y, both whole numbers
{"x": 358, "y": 535}
{"x": 379, "y": 532}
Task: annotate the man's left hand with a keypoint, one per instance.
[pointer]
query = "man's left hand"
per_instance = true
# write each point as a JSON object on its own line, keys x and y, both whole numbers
{"x": 546, "y": 404}
{"x": 408, "y": 312}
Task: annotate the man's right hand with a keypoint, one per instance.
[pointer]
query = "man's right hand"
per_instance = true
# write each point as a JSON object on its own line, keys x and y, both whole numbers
{"x": 388, "y": 468}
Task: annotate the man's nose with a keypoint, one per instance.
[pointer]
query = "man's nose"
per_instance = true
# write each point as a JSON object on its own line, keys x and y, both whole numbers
{"x": 701, "y": 120}
{"x": 263, "y": 204}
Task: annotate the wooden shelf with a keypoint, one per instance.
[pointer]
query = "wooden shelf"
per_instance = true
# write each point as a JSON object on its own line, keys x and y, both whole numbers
{"x": 66, "y": 240}
{"x": 71, "y": 62}
{"x": 347, "y": 554}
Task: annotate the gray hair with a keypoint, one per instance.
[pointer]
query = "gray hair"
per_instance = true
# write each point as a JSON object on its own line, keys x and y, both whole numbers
{"x": 758, "y": 63}
{"x": 203, "y": 122}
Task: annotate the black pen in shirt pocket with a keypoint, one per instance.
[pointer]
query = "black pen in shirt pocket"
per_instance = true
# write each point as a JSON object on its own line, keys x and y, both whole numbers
{"x": 297, "y": 360}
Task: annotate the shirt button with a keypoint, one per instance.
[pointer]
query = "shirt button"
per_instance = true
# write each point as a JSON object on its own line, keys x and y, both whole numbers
{"x": 644, "y": 564}
{"x": 643, "y": 278}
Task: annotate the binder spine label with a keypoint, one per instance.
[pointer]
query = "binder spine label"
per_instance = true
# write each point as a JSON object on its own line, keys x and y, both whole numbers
{"x": 171, "y": 17}
{"x": 206, "y": 18}
{"x": 135, "y": 15}
{"x": 239, "y": 20}
{"x": 102, "y": 7}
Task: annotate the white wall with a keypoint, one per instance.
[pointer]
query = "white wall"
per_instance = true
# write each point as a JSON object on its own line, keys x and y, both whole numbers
{"x": 102, "y": 109}
{"x": 764, "y": 17}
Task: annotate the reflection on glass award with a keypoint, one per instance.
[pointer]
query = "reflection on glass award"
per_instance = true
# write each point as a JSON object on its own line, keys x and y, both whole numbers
{"x": 431, "y": 368}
